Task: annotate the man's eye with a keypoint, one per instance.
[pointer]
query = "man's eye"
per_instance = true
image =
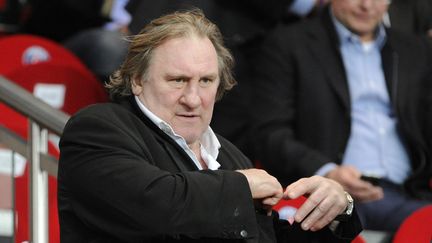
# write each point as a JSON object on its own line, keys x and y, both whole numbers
{"x": 177, "y": 82}
{"x": 206, "y": 81}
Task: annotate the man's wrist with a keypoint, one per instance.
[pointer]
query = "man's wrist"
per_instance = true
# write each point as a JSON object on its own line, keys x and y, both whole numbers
{"x": 349, "y": 209}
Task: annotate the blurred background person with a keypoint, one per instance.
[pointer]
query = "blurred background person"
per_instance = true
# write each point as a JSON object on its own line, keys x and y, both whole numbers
{"x": 342, "y": 96}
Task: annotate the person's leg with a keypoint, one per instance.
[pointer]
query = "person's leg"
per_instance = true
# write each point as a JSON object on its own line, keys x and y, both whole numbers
{"x": 387, "y": 214}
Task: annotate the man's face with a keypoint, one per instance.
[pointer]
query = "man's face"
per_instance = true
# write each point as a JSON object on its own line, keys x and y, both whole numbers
{"x": 360, "y": 16}
{"x": 181, "y": 85}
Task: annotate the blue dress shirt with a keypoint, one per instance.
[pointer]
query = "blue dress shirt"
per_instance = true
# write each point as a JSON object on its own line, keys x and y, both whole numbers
{"x": 374, "y": 146}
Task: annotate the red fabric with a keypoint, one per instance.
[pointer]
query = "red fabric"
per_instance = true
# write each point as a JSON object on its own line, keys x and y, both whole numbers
{"x": 416, "y": 228}
{"x": 81, "y": 90}
{"x": 295, "y": 203}
{"x": 358, "y": 239}
{"x": 15, "y": 53}
{"x": 13, "y": 120}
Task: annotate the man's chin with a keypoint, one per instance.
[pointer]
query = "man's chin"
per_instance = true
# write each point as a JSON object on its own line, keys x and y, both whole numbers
{"x": 190, "y": 138}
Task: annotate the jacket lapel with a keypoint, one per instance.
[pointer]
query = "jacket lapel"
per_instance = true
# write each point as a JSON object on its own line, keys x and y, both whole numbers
{"x": 180, "y": 158}
{"x": 178, "y": 155}
{"x": 390, "y": 64}
{"x": 319, "y": 40}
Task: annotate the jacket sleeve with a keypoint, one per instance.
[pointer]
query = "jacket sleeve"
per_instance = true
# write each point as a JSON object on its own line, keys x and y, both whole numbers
{"x": 109, "y": 182}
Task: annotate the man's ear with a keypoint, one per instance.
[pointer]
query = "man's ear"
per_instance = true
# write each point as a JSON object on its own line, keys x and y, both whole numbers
{"x": 136, "y": 86}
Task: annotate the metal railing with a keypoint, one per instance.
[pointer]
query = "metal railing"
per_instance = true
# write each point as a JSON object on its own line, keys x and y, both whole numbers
{"x": 42, "y": 119}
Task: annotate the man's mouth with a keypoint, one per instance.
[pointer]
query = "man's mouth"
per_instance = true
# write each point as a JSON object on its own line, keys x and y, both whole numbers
{"x": 188, "y": 115}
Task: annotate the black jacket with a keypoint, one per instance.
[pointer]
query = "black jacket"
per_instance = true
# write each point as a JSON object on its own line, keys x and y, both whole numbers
{"x": 122, "y": 179}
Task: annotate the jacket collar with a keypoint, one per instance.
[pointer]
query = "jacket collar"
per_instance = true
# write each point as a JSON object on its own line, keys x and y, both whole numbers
{"x": 172, "y": 148}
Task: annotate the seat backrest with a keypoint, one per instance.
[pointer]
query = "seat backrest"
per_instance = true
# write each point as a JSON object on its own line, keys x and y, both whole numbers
{"x": 62, "y": 87}
{"x": 416, "y": 228}
{"x": 19, "y": 50}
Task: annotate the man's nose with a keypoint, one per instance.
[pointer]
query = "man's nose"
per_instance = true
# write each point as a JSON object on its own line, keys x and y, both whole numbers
{"x": 367, "y": 3}
{"x": 191, "y": 96}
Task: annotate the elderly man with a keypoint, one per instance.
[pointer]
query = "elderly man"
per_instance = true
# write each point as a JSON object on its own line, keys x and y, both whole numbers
{"x": 148, "y": 168}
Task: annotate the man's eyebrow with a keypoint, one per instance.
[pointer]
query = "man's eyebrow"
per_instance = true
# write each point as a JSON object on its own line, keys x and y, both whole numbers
{"x": 211, "y": 76}
{"x": 174, "y": 76}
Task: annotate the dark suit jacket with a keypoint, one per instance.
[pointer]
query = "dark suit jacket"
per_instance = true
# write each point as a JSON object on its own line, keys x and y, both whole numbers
{"x": 122, "y": 179}
{"x": 302, "y": 106}
{"x": 412, "y": 16}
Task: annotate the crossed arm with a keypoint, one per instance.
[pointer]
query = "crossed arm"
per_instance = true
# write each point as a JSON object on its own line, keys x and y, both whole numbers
{"x": 325, "y": 198}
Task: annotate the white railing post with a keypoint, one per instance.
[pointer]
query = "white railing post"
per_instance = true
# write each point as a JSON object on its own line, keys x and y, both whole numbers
{"x": 38, "y": 185}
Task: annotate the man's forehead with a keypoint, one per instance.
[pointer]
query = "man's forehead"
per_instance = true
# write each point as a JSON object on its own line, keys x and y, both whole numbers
{"x": 180, "y": 44}
{"x": 185, "y": 53}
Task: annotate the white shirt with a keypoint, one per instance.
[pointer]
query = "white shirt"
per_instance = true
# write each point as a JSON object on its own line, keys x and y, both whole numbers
{"x": 209, "y": 144}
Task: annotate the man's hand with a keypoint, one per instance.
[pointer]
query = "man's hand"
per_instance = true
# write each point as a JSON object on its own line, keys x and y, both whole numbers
{"x": 349, "y": 178}
{"x": 263, "y": 186}
{"x": 325, "y": 200}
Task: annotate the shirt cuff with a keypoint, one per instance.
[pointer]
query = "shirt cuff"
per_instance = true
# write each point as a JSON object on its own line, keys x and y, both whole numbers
{"x": 326, "y": 169}
{"x": 301, "y": 7}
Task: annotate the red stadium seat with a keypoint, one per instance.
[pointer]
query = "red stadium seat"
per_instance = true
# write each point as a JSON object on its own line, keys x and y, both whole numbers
{"x": 64, "y": 88}
{"x": 20, "y": 50}
{"x": 58, "y": 77}
{"x": 416, "y": 228}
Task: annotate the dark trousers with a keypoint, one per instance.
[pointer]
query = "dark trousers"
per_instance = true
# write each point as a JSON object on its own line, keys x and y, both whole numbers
{"x": 388, "y": 213}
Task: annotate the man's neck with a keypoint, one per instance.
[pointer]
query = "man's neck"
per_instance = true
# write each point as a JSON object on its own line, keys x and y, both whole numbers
{"x": 196, "y": 149}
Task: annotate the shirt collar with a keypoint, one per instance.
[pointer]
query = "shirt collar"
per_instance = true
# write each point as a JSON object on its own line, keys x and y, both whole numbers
{"x": 209, "y": 141}
{"x": 345, "y": 35}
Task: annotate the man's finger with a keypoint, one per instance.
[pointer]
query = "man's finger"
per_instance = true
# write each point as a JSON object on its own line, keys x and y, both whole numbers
{"x": 325, "y": 220}
{"x": 310, "y": 204}
{"x": 301, "y": 187}
{"x": 324, "y": 213}
{"x": 271, "y": 201}
{"x": 316, "y": 213}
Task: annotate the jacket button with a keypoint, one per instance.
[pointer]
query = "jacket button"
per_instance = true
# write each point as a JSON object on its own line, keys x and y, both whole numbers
{"x": 243, "y": 233}
{"x": 236, "y": 212}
